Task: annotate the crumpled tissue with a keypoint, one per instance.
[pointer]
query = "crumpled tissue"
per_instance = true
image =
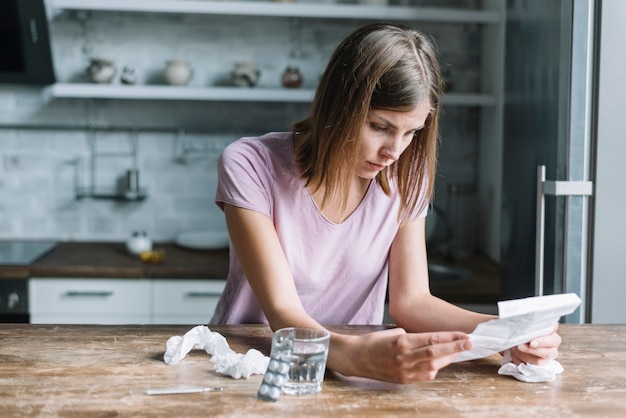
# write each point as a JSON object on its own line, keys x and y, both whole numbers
{"x": 226, "y": 361}
{"x": 529, "y": 372}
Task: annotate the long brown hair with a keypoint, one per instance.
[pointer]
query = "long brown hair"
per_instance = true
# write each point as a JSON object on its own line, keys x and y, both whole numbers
{"x": 378, "y": 66}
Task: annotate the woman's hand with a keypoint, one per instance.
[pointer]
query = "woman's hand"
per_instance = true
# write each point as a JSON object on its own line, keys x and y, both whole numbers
{"x": 395, "y": 356}
{"x": 538, "y": 351}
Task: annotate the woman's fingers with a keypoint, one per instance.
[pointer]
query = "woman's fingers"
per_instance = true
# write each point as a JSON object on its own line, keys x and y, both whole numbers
{"x": 421, "y": 356}
{"x": 438, "y": 344}
{"x": 538, "y": 351}
{"x": 396, "y": 356}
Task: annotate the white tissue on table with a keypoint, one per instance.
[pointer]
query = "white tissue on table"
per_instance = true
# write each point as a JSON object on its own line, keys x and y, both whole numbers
{"x": 226, "y": 361}
{"x": 529, "y": 372}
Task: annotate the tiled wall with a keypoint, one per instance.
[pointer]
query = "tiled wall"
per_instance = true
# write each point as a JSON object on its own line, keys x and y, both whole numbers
{"x": 41, "y": 141}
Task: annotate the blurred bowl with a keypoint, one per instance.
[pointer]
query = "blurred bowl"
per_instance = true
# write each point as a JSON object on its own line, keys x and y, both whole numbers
{"x": 203, "y": 240}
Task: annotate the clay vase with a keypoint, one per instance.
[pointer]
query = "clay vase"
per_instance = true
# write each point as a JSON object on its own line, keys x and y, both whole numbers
{"x": 101, "y": 70}
{"x": 245, "y": 74}
{"x": 292, "y": 78}
{"x": 177, "y": 72}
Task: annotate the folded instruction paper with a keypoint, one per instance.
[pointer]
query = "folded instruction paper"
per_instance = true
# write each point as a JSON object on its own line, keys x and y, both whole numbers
{"x": 520, "y": 321}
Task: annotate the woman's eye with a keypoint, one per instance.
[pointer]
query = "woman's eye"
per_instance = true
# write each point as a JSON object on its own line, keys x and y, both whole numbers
{"x": 377, "y": 127}
{"x": 415, "y": 133}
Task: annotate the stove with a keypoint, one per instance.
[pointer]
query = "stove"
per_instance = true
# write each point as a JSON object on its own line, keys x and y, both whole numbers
{"x": 20, "y": 253}
{"x": 14, "y": 291}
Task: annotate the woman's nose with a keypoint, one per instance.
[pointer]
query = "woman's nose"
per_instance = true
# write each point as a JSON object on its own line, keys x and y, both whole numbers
{"x": 390, "y": 153}
{"x": 392, "y": 149}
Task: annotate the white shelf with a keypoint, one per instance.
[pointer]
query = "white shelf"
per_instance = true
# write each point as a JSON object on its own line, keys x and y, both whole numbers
{"x": 257, "y": 8}
{"x": 303, "y": 10}
{"x": 227, "y": 94}
{"x": 136, "y": 92}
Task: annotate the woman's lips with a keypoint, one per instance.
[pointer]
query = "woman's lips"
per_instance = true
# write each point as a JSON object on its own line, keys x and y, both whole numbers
{"x": 375, "y": 166}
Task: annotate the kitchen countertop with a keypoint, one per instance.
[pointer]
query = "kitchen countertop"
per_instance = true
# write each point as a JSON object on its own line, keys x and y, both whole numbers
{"x": 111, "y": 260}
{"x": 84, "y": 371}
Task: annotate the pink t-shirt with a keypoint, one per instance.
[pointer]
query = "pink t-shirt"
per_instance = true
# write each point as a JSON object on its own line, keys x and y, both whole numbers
{"x": 340, "y": 270}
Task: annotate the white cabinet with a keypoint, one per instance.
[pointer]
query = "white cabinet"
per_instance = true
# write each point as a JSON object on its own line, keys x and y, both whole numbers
{"x": 123, "y": 301}
{"x": 185, "y": 301}
{"x": 89, "y": 301}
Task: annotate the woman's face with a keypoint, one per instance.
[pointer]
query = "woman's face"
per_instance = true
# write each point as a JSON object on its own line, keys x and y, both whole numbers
{"x": 385, "y": 136}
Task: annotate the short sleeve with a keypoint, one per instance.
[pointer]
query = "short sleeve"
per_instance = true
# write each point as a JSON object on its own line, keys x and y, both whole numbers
{"x": 243, "y": 177}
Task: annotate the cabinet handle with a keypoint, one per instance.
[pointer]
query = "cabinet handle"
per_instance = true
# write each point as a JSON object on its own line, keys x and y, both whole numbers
{"x": 201, "y": 294}
{"x": 87, "y": 293}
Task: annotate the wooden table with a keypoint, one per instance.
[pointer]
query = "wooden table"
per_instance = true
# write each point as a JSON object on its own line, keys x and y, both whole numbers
{"x": 83, "y": 371}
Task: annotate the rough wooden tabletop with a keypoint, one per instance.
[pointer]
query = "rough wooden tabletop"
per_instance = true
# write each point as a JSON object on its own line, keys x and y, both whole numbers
{"x": 89, "y": 370}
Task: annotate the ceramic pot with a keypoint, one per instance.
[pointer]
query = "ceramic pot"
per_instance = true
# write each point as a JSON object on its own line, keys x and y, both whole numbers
{"x": 128, "y": 75}
{"x": 138, "y": 243}
{"x": 177, "y": 72}
{"x": 101, "y": 70}
{"x": 292, "y": 78}
{"x": 246, "y": 74}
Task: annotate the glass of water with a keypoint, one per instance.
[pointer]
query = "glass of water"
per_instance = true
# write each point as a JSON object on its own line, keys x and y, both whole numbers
{"x": 306, "y": 357}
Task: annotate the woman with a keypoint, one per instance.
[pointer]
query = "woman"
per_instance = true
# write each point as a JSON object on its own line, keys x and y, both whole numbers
{"x": 322, "y": 218}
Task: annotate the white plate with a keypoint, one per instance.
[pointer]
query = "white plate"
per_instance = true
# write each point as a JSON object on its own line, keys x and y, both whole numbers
{"x": 203, "y": 240}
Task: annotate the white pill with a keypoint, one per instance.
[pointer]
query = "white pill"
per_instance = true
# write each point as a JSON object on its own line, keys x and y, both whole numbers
{"x": 274, "y": 393}
{"x": 284, "y": 368}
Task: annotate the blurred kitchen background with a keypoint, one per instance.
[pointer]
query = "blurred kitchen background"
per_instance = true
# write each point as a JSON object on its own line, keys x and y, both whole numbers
{"x": 178, "y": 141}
{"x": 71, "y": 151}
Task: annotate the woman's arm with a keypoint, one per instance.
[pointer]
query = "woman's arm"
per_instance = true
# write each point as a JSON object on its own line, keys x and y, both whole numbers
{"x": 411, "y": 304}
{"x": 390, "y": 355}
{"x": 415, "y": 309}
{"x": 264, "y": 263}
